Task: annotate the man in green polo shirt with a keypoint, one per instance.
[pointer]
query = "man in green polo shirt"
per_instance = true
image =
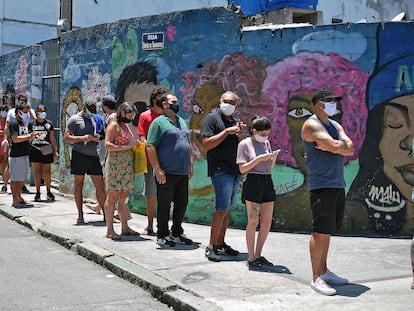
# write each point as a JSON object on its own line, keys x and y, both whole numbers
{"x": 170, "y": 155}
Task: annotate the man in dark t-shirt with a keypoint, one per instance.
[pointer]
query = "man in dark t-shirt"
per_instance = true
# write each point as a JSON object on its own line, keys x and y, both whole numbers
{"x": 21, "y": 134}
{"x": 221, "y": 134}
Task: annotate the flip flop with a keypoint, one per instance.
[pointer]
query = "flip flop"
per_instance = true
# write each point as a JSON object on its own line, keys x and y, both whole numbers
{"x": 113, "y": 237}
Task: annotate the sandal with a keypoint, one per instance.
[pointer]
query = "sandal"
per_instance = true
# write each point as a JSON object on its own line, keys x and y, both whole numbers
{"x": 80, "y": 221}
{"x": 113, "y": 236}
{"x": 149, "y": 231}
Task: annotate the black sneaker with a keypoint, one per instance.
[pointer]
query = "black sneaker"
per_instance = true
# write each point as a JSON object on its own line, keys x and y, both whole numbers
{"x": 254, "y": 265}
{"x": 228, "y": 250}
{"x": 25, "y": 190}
{"x": 212, "y": 254}
{"x": 182, "y": 239}
{"x": 4, "y": 189}
{"x": 50, "y": 197}
{"x": 165, "y": 242}
{"x": 37, "y": 197}
{"x": 264, "y": 261}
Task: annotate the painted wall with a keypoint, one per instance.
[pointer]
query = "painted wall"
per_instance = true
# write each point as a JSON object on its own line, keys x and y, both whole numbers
{"x": 274, "y": 73}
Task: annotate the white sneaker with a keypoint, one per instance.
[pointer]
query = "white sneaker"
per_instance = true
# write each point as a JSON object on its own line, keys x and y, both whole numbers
{"x": 181, "y": 239}
{"x": 321, "y": 287}
{"x": 331, "y": 277}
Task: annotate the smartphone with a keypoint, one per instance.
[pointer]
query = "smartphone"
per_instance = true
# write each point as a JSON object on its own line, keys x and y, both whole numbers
{"x": 276, "y": 152}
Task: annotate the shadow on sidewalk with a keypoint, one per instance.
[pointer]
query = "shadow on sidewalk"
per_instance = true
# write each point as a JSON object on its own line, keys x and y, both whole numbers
{"x": 351, "y": 290}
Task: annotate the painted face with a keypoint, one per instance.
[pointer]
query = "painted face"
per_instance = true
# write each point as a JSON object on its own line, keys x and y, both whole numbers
{"x": 396, "y": 145}
{"x": 138, "y": 93}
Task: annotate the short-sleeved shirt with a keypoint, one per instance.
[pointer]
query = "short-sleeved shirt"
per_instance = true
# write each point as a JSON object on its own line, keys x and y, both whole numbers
{"x": 19, "y": 128}
{"x": 172, "y": 143}
{"x": 223, "y": 156}
{"x": 79, "y": 126}
{"x": 249, "y": 149}
{"x": 144, "y": 122}
{"x": 44, "y": 127}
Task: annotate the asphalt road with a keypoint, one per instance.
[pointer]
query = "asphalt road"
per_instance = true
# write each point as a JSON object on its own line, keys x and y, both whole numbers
{"x": 38, "y": 274}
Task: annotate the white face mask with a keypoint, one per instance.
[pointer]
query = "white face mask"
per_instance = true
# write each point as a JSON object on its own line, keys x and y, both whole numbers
{"x": 25, "y": 116}
{"x": 42, "y": 115}
{"x": 260, "y": 138}
{"x": 227, "y": 109}
{"x": 3, "y": 113}
{"x": 330, "y": 108}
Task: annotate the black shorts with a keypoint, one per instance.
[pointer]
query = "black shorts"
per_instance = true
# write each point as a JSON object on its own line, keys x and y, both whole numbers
{"x": 328, "y": 205}
{"x": 35, "y": 155}
{"x": 81, "y": 164}
{"x": 258, "y": 188}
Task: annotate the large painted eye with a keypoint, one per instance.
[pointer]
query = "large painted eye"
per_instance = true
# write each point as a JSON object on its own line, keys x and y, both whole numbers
{"x": 394, "y": 126}
{"x": 298, "y": 113}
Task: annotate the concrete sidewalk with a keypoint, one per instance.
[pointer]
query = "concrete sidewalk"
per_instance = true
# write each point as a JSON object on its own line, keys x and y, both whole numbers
{"x": 379, "y": 269}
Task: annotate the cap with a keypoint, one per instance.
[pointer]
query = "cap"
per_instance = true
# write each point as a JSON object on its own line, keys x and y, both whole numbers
{"x": 90, "y": 104}
{"x": 317, "y": 96}
{"x": 108, "y": 100}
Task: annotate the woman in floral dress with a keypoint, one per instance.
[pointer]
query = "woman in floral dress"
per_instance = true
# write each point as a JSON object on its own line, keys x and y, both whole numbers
{"x": 119, "y": 169}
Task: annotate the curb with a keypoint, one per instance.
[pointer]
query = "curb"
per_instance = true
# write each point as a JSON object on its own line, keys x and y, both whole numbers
{"x": 162, "y": 289}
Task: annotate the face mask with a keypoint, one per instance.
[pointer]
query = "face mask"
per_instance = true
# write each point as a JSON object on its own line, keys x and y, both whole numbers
{"x": 125, "y": 120}
{"x": 330, "y": 108}
{"x": 227, "y": 109}
{"x": 3, "y": 113}
{"x": 42, "y": 115}
{"x": 175, "y": 107}
{"x": 260, "y": 138}
{"x": 24, "y": 115}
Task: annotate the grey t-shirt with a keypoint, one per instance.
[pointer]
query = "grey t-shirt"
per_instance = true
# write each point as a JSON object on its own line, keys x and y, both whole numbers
{"x": 79, "y": 126}
{"x": 248, "y": 149}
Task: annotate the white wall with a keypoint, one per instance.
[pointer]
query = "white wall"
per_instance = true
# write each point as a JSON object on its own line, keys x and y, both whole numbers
{"x": 25, "y": 22}
{"x": 370, "y": 10}
{"x": 89, "y": 13}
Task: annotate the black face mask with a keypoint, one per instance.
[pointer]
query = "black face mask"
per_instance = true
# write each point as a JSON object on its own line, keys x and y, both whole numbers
{"x": 175, "y": 107}
{"x": 125, "y": 120}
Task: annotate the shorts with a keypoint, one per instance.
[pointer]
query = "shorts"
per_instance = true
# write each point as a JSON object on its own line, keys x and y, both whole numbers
{"x": 36, "y": 156}
{"x": 150, "y": 187}
{"x": 328, "y": 205}
{"x": 81, "y": 164}
{"x": 258, "y": 188}
{"x": 225, "y": 187}
{"x": 19, "y": 168}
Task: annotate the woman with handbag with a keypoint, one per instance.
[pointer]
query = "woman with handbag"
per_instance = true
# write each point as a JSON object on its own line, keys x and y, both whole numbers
{"x": 119, "y": 174}
{"x": 42, "y": 152}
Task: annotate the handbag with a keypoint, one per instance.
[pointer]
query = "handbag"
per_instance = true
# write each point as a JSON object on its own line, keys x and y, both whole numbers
{"x": 140, "y": 158}
{"x": 45, "y": 150}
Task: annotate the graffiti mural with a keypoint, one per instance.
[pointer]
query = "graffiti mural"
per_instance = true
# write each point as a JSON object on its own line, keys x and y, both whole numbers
{"x": 204, "y": 52}
{"x": 382, "y": 194}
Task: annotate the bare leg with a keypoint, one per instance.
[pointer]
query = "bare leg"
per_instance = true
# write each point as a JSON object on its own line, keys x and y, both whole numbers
{"x": 47, "y": 175}
{"x": 151, "y": 202}
{"x": 37, "y": 170}
{"x": 16, "y": 188}
{"x": 266, "y": 212}
{"x": 216, "y": 224}
{"x": 252, "y": 222}
{"x": 223, "y": 228}
{"x": 123, "y": 211}
{"x": 99, "y": 184}
{"x": 109, "y": 206}
{"x": 319, "y": 245}
{"x": 79, "y": 180}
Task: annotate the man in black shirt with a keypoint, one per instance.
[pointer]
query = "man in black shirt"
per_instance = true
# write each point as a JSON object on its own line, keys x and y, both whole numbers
{"x": 221, "y": 134}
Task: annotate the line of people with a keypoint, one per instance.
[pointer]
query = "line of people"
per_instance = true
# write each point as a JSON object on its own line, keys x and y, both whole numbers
{"x": 229, "y": 157}
{"x": 27, "y": 137}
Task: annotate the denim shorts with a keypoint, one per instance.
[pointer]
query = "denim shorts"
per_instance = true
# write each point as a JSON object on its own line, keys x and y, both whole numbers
{"x": 225, "y": 187}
